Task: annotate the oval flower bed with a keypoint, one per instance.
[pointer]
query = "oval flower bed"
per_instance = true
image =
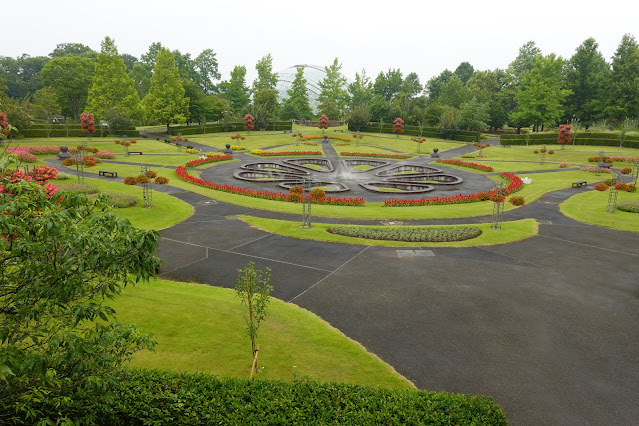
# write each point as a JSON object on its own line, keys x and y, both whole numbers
{"x": 35, "y": 149}
{"x": 434, "y": 234}
{"x": 515, "y": 185}
{"x": 320, "y": 137}
{"x": 375, "y": 155}
{"x": 465, "y": 164}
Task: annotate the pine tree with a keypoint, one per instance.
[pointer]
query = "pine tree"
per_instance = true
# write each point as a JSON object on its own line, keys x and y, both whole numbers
{"x": 165, "y": 103}
{"x": 333, "y": 96}
{"x": 297, "y": 104}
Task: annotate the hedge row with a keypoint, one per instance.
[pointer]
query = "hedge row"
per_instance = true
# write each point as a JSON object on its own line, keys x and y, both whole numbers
{"x": 429, "y": 132}
{"x": 57, "y": 133}
{"x": 218, "y": 128}
{"x": 138, "y": 397}
{"x": 583, "y": 138}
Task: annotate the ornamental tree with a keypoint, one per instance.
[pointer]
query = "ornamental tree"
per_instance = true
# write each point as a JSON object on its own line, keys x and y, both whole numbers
{"x": 398, "y": 126}
{"x": 87, "y": 123}
{"x": 323, "y": 122}
{"x": 249, "y": 122}
{"x": 565, "y": 135}
{"x": 62, "y": 258}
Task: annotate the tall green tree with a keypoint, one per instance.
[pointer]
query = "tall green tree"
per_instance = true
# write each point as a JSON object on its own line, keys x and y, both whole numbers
{"x": 412, "y": 85}
{"x": 148, "y": 58}
{"x": 623, "y": 84}
{"x": 71, "y": 76}
{"x": 297, "y": 105}
{"x": 541, "y": 94}
{"x": 235, "y": 90}
{"x": 388, "y": 84}
{"x": 360, "y": 90}
{"x": 22, "y": 75}
{"x": 73, "y": 49}
{"x": 434, "y": 85}
{"x": 112, "y": 88}
{"x": 141, "y": 79}
{"x": 453, "y": 93}
{"x": 45, "y": 104}
{"x": 464, "y": 71}
{"x": 474, "y": 115}
{"x": 586, "y": 76}
{"x": 207, "y": 69}
{"x": 185, "y": 65}
{"x": 333, "y": 96}
{"x": 165, "y": 103}
{"x": 266, "y": 78}
{"x": 265, "y": 107}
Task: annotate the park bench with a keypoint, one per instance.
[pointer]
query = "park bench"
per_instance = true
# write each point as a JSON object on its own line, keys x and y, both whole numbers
{"x": 579, "y": 183}
{"x": 135, "y": 152}
{"x": 287, "y": 131}
{"x": 338, "y": 130}
{"x": 106, "y": 172}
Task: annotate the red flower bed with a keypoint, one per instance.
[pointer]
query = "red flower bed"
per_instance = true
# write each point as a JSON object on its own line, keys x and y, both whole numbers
{"x": 515, "y": 185}
{"x": 466, "y": 164}
{"x": 200, "y": 161}
{"x": 285, "y": 153}
{"x": 183, "y": 174}
{"x": 375, "y": 155}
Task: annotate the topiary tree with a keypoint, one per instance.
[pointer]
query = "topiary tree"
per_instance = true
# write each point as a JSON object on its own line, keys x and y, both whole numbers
{"x": 398, "y": 126}
{"x": 323, "y": 122}
{"x": 249, "y": 123}
{"x": 87, "y": 123}
{"x": 62, "y": 257}
{"x": 565, "y": 135}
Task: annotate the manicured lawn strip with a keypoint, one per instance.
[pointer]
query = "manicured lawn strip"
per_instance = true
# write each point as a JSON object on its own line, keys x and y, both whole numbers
{"x": 201, "y": 328}
{"x": 163, "y": 160}
{"x": 514, "y": 166}
{"x": 405, "y": 144}
{"x": 511, "y": 231}
{"x": 572, "y": 154}
{"x": 552, "y": 181}
{"x": 590, "y": 207}
{"x": 166, "y": 211}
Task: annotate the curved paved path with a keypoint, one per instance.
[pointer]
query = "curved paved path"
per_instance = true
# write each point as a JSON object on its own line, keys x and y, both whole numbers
{"x": 548, "y": 326}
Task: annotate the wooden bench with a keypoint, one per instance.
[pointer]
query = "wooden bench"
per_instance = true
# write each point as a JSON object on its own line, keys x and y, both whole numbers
{"x": 579, "y": 183}
{"x": 106, "y": 172}
{"x": 135, "y": 152}
{"x": 338, "y": 130}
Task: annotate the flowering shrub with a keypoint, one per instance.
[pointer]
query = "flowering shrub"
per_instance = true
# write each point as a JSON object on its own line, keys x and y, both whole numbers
{"x": 40, "y": 175}
{"x": 192, "y": 151}
{"x": 87, "y": 122}
{"x": 238, "y": 136}
{"x": 238, "y": 147}
{"x": 565, "y": 134}
{"x": 35, "y": 149}
{"x": 497, "y": 198}
{"x": 209, "y": 160}
{"x": 516, "y": 200}
{"x": 601, "y": 187}
{"x": 551, "y": 152}
{"x": 612, "y": 159}
{"x": 536, "y": 151}
{"x": 160, "y": 180}
{"x": 88, "y": 149}
{"x": 294, "y": 197}
{"x": 543, "y": 150}
{"x": 296, "y": 190}
{"x": 465, "y": 164}
{"x": 284, "y": 153}
{"x": 323, "y": 122}
{"x": 105, "y": 155}
{"x": 564, "y": 165}
{"x": 126, "y": 143}
{"x": 628, "y": 187}
{"x": 150, "y": 174}
{"x": 134, "y": 141}
{"x": 318, "y": 194}
{"x": 215, "y": 154}
{"x": 480, "y": 146}
{"x": 356, "y": 136}
{"x": 595, "y": 169}
{"x": 398, "y": 126}
{"x": 419, "y": 140}
{"x": 183, "y": 174}
{"x": 69, "y": 162}
{"x": 25, "y": 157}
{"x": 90, "y": 161}
{"x": 248, "y": 122}
{"x": 374, "y": 155}
{"x": 515, "y": 185}
{"x": 626, "y": 170}
{"x": 256, "y": 151}
{"x": 130, "y": 180}
{"x": 142, "y": 179}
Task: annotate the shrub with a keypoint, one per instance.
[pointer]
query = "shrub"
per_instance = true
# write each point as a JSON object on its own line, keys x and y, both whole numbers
{"x": 551, "y": 152}
{"x": 607, "y": 182}
{"x": 142, "y": 179}
{"x": 296, "y": 190}
{"x": 631, "y": 188}
{"x": 90, "y": 161}
{"x": 63, "y": 176}
{"x": 536, "y": 151}
{"x": 564, "y": 164}
{"x": 150, "y": 174}
{"x": 601, "y": 187}
{"x": 25, "y": 157}
{"x": 160, "y": 180}
{"x": 122, "y": 200}
{"x": 192, "y": 151}
{"x": 215, "y": 154}
{"x": 126, "y": 143}
{"x": 117, "y": 142}
{"x": 626, "y": 170}
{"x": 238, "y": 147}
{"x": 133, "y": 141}
{"x": 516, "y": 200}
{"x": 318, "y": 194}
{"x": 432, "y": 234}
{"x": 630, "y": 206}
{"x": 130, "y": 180}
{"x": 595, "y": 169}
{"x": 105, "y": 155}
{"x": 69, "y": 162}
{"x": 294, "y": 197}
{"x": 78, "y": 188}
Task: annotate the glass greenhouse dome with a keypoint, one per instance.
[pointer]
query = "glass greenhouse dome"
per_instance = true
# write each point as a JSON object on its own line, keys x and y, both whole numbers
{"x": 313, "y": 75}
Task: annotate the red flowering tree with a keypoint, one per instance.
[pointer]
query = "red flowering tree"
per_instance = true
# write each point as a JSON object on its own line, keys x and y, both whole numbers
{"x": 565, "y": 135}
{"x": 398, "y": 126}
{"x": 323, "y": 122}
{"x": 87, "y": 123}
{"x": 6, "y": 129}
{"x": 249, "y": 122}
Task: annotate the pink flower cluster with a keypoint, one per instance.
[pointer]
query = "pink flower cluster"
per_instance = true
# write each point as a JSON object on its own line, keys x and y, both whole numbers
{"x": 40, "y": 174}
{"x": 105, "y": 155}
{"x": 515, "y": 185}
{"x": 595, "y": 169}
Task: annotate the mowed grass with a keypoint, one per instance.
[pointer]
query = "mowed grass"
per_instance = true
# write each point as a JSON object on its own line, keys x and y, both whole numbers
{"x": 577, "y": 154}
{"x": 201, "y": 328}
{"x": 590, "y": 207}
{"x": 166, "y": 210}
{"x": 510, "y": 232}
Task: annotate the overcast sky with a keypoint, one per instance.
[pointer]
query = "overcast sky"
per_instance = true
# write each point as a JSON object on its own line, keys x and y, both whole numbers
{"x": 415, "y": 36}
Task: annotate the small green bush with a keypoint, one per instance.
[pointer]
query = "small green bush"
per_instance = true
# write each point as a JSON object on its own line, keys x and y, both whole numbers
{"x": 151, "y": 397}
{"x": 435, "y": 234}
{"x": 631, "y": 206}
{"x": 122, "y": 200}
{"x": 63, "y": 176}
{"x": 78, "y": 188}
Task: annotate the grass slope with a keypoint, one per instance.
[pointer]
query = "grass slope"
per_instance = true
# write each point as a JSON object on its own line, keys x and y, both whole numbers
{"x": 590, "y": 207}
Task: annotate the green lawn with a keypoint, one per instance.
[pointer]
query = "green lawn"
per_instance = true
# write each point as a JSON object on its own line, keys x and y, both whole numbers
{"x": 590, "y": 207}
{"x": 201, "y": 328}
{"x": 511, "y": 231}
{"x": 577, "y": 154}
{"x": 166, "y": 211}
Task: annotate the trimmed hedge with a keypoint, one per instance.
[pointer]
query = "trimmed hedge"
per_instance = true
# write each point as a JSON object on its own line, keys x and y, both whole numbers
{"x": 583, "y": 138}
{"x": 429, "y": 132}
{"x": 195, "y": 129}
{"x": 631, "y": 206}
{"x": 57, "y": 132}
{"x": 408, "y": 233}
{"x": 137, "y": 397}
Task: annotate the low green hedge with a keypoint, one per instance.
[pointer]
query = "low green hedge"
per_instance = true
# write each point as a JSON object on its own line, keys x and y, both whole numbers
{"x": 631, "y": 206}
{"x": 137, "y": 397}
{"x": 218, "y": 128}
{"x": 408, "y": 233}
{"x": 429, "y": 132}
{"x": 583, "y": 138}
